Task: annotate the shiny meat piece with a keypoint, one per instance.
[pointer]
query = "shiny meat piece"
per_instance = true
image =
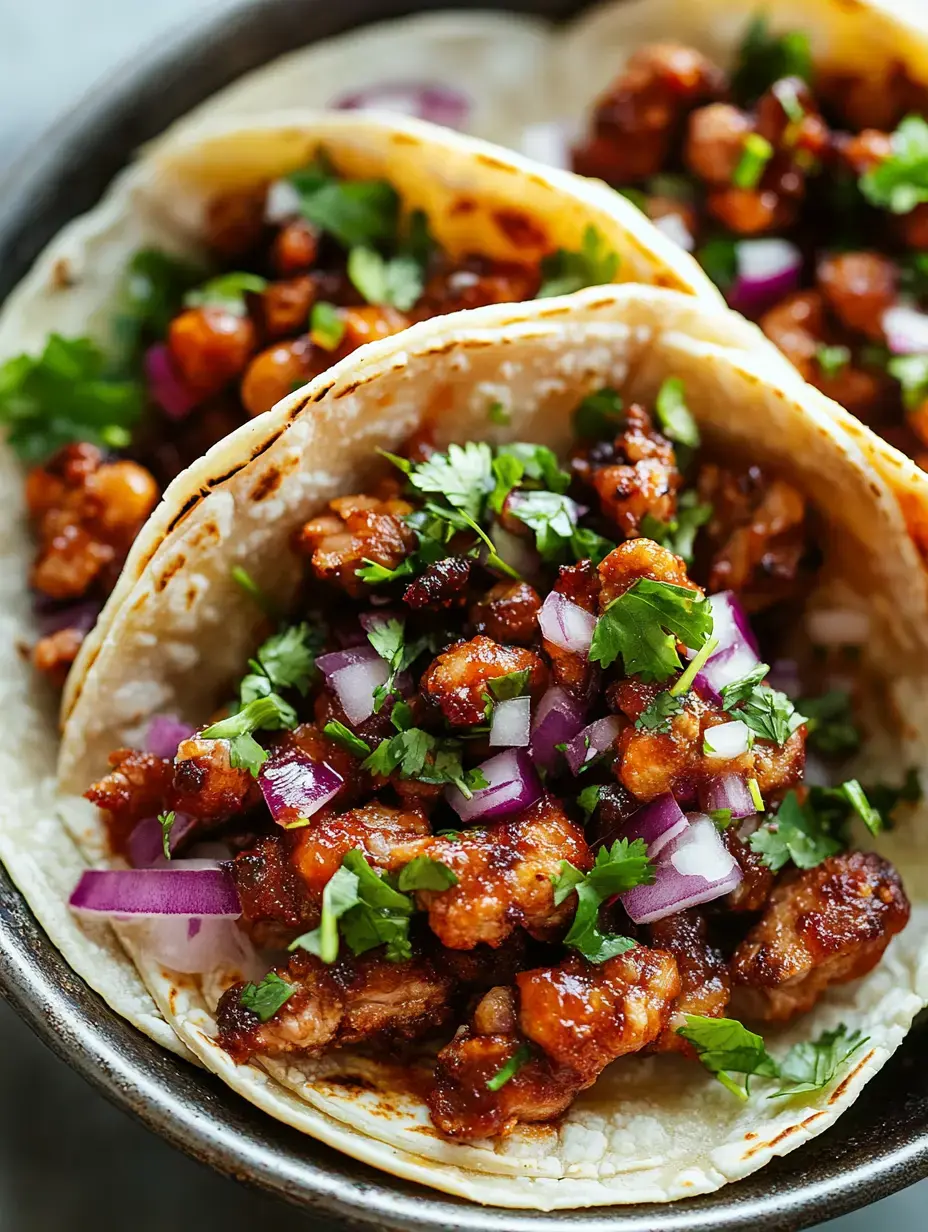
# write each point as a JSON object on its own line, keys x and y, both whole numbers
{"x": 358, "y": 528}
{"x": 823, "y": 926}
{"x": 210, "y": 347}
{"x": 705, "y": 987}
{"x": 476, "y": 281}
{"x": 508, "y": 613}
{"x": 642, "y": 479}
{"x": 376, "y": 830}
{"x": 353, "y": 1001}
{"x": 639, "y": 558}
{"x": 295, "y": 248}
{"x": 278, "y": 370}
{"x": 807, "y": 136}
{"x": 715, "y": 142}
{"x": 757, "y": 879}
{"x": 504, "y": 876}
{"x": 441, "y": 585}
{"x": 572, "y": 669}
{"x": 276, "y": 905}
{"x": 584, "y": 1015}
{"x": 285, "y": 306}
{"x": 207, "y": 786}
{"x": 53, "y": 655}
{"x": 135, "y": 788}
{"x": 859, "y": 287}
{"x": 458, "y": 680}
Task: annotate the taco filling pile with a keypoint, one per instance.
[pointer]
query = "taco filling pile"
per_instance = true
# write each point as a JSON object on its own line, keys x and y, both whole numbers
{"x": 803, "y": 193}
{"x": 534, "y": 771}
{"x": 297, "y": 274}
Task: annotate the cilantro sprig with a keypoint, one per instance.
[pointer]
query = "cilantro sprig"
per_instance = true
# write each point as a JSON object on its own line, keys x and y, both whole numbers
{"x": 900, "y": 182}
{"x": 266, "y": 997}
{"x": 644, "y": 624}
{"x": 354, "y": 212}
{"x": 564, "y": 272}
{"x": 616, "y": 869}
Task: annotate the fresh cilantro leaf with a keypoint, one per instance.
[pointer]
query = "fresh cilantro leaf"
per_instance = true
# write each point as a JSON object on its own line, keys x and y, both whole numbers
{"x": 799, "y": 833}
{"x": 424, "y": 873}
{"x": 397, "y": 282}
{"x": 497, "y": 414}
{"x": 509, "y": 1069}
{"x": 388, "y": 639}
{"x": 228, "y": 291}
{"x": 463, "y": 476}
{"x": 721, "y": 818}
{"x": 266, "y": 997}
{"x": 166, "y": 822}
{"x": 725, "y": 1047}
{"x": 719, "y": 258}
{"x": 900, "y": 182}
{"x": 507, "y": 475}
{"x": 770, "y": 714}
{"x": 539, "y": 465}
{"x": 643, "y": 625}
{"x": 68, "y": 393}
{"x": 615, "y": 870}
{"x": 326, "y": 326}
{"x": 659, "y": 711}
{"x": 433, "y": 534}
{"x": 346, "y": 738}
{"x": 740, "y": 690}
{"x": 830, "y": 722}
{"x": 288, "y": 659}
{"x": 513, "y": 684}
{"x": 151, "y": 293}
{"x": 764, "y": 58}
{"x": 588, "y": 800}
{"x": 911, "y": 371}
{"x": 599, "y": 416}
{"x": 857, "y": 798}
{"x": 564, "y": 272}
{"x": 679, "y": 535}
{"x": 755, "y": 156}
{"x": 673, "y": 414}
{"x": 812, "y": 1065}
{"x": 552, "y": 517}
{"x": 832, "y": 360}
{"x": 381, "y": 914}
{"x": 340, "y": 895}
{"x": 270, "y": 713}
{"x": 355, "y": 212}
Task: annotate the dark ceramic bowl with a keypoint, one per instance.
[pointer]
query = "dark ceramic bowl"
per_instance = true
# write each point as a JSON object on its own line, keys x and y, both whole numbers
{"x": 878, "y": 1147}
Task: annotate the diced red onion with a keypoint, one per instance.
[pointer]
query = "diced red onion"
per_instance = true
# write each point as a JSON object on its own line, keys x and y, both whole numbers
{"x": 549, "y": 142}
{"x": 140, "y": 893}
{"x": 333, "y": 662}
{"x": 354, "y": 674}
{"x": 696, "y": 867}
{"x": 438, "y": 103}
{"x": 145, "y": 847}
{"x": 165, "y": 733}
{"x": 511, "y": 722}
{"x": 165, "y": 386}
{"x": 516, "y": 552}
{"x": 727, "y": 791}
{"x": 676, "y": 229}
{"x": 727, "y": 740}
{"x": 768, "y": 269}
{"x": 557, "y": 720}
{"x": 566, "y": 624}
{"x": 197, "y": 946}
{"x": 293, "y": 785}
{"x": 906, "y": 330}
{"x": 373, "y": 620}
{"x": 80, "y": 616}
{"x": 657, "y": 823}
{"x": 837, "y": 626}
{"x": 598, "y": 738}
{"x": 282, "y": 203}
{"x": 512, "y": 786}
{"x": 736, "y": 653}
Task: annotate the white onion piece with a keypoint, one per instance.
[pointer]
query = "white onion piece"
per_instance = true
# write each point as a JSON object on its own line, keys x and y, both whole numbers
{"x": 439, "y": 104}
{"x": 676, "y": 229}
{"x": 549, "y": 143}
{"x": 906, "y": 330}
{"x": 728, "y": 791}
{"x": 696, "y": 867}
{"x": 727, "y": 740}
{"x": 837, "y": 626}
{"x": 736, "y": 653}
{"x": 282, "y": 203}
{"x": 197, "y": 946}
{"x": 565, "y": 624}
{"x": 356, "y": 684}
{"x": 511, "y": 723}
{"x": 701, "y": 853}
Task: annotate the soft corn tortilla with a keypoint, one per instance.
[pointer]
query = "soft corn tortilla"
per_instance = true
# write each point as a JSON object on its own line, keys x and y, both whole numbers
{"x": 511, "y": 208}
{"x": 651, "y": 1129}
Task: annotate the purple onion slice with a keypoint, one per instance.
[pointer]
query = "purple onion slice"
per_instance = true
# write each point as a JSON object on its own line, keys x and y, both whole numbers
{"x": 294, "y": 786}
{"x": 696, "y": 867}
{"x": 657, "y": 823}
{"x": 558, "y": 719}
{"x": 594, "y": 740}
{"x": 150, "y": 892}
{"x": 512, "y": 785}
{"x": 566, "y": 624}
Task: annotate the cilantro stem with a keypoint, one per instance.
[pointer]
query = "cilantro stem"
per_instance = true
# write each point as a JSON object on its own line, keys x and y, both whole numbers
{"x": 754, "y": 789}
{"x": 695, "y": 667}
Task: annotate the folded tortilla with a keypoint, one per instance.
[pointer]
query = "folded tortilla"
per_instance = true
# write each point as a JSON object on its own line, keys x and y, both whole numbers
{"x": 652, "y": 1128}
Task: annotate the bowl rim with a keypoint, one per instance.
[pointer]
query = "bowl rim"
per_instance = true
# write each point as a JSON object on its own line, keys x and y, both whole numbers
{"x": 190, "y": 1109}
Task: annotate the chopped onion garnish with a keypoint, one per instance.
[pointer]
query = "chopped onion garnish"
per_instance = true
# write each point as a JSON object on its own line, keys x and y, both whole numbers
{"x": 906, "y": 330}
{"x": 196, "y": 946}
{"x": 438, "y": 103}
{"x": 355, "y": 674}
{"x": 138, "y": 893}
{"x": 696, "y": 867}
{"x": 512, "y": 785}
{"x": 736, "y": 652}
{"x": 165, "y": 733}
{"x": 768, "y": 269}
{"x": 676, "y": 229}
{"x": 557, "y": 720}
{"x": 657, "y": 823}
{"x": 165, "y": 387}
{"x": 566, "y": 624}
{"x": 727, "y": 791}
{"x": 282, "y": 203}
{"x": 295, "y": 786}
{"x": 145, "y": 847}
{"x": 591, "y": 742}
{"x": 511, "y": 722}
{"x": 837, "y": 626}
{"x": 727, "y": 740}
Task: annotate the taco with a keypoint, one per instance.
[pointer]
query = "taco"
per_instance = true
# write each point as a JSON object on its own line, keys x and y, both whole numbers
{"x": 787, "y": 147}
{"x": 507, "y": 730}
{"x": 232, "y": 265}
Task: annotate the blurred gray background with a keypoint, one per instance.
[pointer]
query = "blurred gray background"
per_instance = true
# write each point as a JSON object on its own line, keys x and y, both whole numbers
{"x": 68, "y": 1161}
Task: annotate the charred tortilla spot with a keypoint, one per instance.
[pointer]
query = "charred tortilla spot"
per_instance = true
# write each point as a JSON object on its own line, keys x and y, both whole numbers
{"x": 520, "y": 229}
{"x": 489, "y": 161}
{"x": 189, "y": 505}
{"x": 842, "y": 1086}
{"x": 173, "y": 567}
{"x": 267, "y": 484}
{"x": 206, "y": 534}
{"x": 351, "y": 1082}
{"x": 61, "y": 275}
{"x": 318, "y": 396}
{"x": 463, "y": 205}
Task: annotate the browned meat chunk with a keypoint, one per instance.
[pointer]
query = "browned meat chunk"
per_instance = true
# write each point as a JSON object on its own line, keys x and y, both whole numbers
{"x": 639, "y": 558}
{"x": 135, "y": 788}
{"x": 276, "y": 906}
{"x": 641, "y": 480}
{"x": 823, "y": 926}
{"x": 359, "y": 528}
{"x": 757, "y": 878}
{"x": 859, "y": 287}
{"x": 279, "y": 370}
{"x": 235, "y": 222}
{"x": 476, "y": 281}
{"x": 296, "y": 248}
{"x": 210, "y": 347}
{"x": 285, "y": 307}
{"x": 715, "y": 142}
{"x": 705, "y": 987}
{"x": 751, "y": 211}
{"x": 53, "y": 655}
{"x": 381, "y": 833}
{"x": 458, "y": 680}
{"x": 508, "y": 613}
{"x": 206, "y": 784}
{"x": 354, "y": 1001}
{"x": 441, "y": 585}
